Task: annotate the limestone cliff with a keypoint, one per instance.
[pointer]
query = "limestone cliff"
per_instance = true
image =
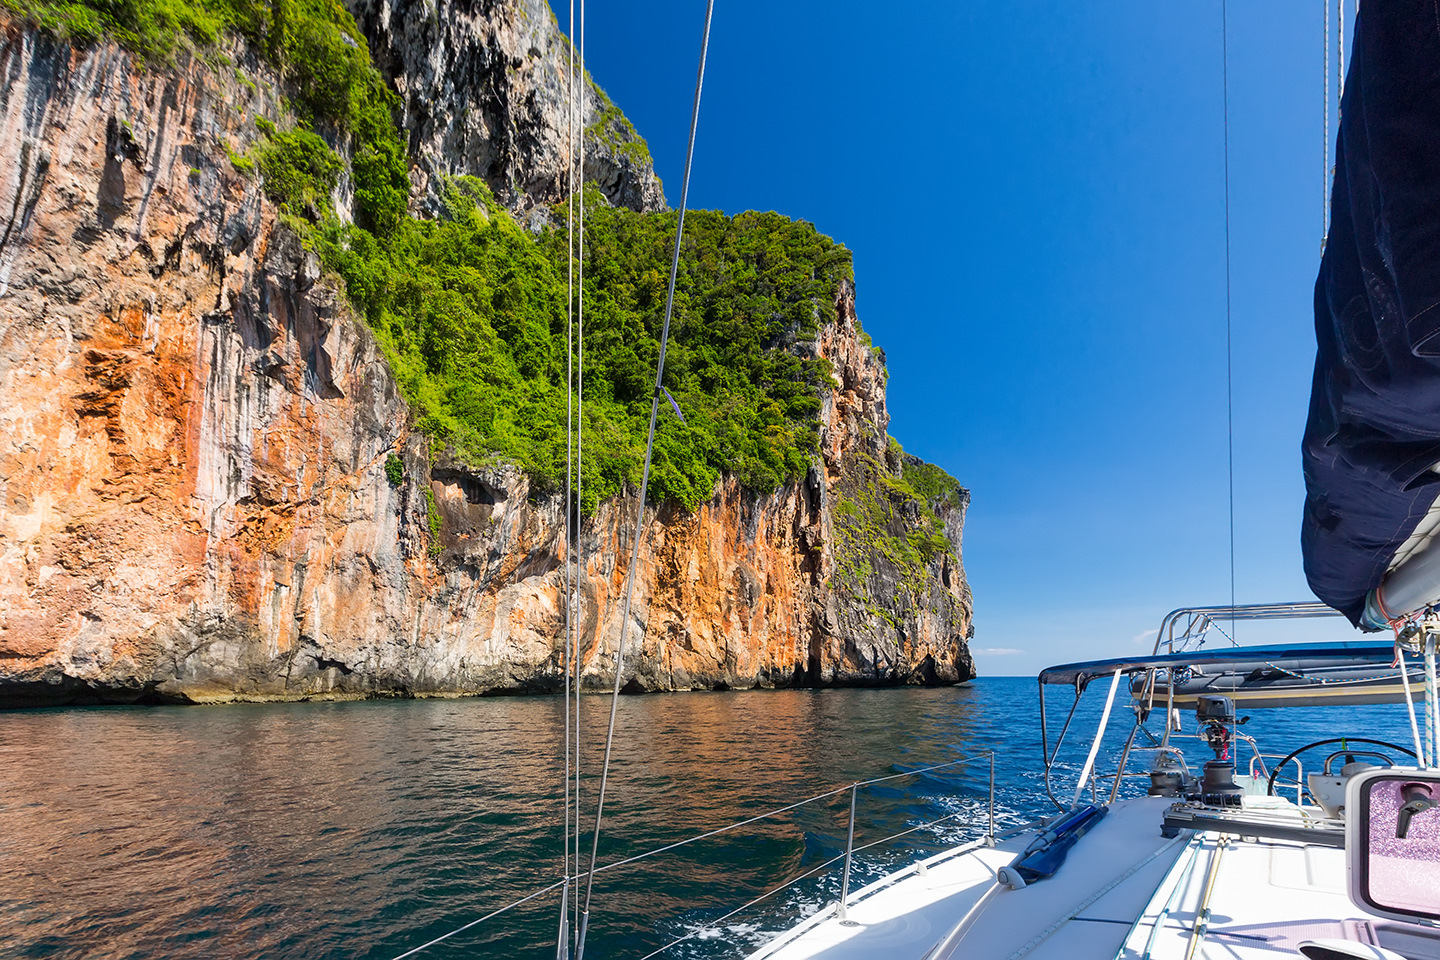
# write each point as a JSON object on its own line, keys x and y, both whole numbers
{"x": 194, "y": 501}
{"x": 483, "y": 87}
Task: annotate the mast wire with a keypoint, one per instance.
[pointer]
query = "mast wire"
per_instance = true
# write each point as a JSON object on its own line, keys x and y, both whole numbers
{"x": 562, "y": 938}
{"x": 1325, "y": 144}
{"x": 574, "y": 426}
{"x": 1229, "y": 352}
{"x": 644, "y": 476}
{"x": 1340, "y": 51}
{"x": 578, "y": 199}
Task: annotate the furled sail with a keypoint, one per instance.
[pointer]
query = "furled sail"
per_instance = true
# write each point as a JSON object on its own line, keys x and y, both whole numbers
{"x": 1372, "y": 442}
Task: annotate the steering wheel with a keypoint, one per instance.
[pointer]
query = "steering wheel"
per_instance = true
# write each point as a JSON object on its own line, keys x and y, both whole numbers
{"x": 1270, "y": 784}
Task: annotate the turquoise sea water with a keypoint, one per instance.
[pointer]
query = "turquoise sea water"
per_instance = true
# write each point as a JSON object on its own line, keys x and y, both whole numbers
{"x": 361, "y": 830}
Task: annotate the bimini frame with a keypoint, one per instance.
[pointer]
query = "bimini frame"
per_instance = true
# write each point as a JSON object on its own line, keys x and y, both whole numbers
{"x": 1176, "y": 629}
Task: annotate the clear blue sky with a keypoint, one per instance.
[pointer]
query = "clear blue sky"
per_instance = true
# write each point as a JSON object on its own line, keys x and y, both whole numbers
{"x": 1034, "y": 195}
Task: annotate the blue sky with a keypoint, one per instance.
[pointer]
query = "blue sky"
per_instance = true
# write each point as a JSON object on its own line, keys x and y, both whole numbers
{"x": 1034, "y": 194}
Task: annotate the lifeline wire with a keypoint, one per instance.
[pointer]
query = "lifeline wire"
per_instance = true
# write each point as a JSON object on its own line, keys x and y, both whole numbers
{"x": 494, "y": 913}
{"x": 618, "y": 864}
{"x": 644, "y": 476}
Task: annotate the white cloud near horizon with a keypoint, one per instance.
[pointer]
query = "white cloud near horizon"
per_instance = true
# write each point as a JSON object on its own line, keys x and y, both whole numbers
{"x": 1144, "y": 636}
{"x": 998, "y": 651}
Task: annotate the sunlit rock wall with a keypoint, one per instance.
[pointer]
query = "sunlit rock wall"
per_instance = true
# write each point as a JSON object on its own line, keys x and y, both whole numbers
{"x": 194, "y": 504}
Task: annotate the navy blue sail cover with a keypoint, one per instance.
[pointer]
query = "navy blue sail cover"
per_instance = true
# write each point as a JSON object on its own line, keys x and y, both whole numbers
{"x": 1374, "y": 427}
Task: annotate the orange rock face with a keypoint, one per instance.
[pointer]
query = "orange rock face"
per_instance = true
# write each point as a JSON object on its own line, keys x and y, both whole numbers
{"x": 193, "y": 436}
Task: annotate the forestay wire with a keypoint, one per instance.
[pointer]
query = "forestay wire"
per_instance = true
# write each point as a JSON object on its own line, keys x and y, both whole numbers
{"x": 644, "y": 483}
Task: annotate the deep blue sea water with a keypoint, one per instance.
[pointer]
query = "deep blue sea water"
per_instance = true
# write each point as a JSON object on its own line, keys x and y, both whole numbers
{"x": 360, "y": 830}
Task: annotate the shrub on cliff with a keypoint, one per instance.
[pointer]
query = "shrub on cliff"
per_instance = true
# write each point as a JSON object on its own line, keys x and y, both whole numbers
{"x": 472, "y": 312}
{"x": 314, "y": 44}
{"x": 300, "y": 171}
{"x": 887, "y": 525}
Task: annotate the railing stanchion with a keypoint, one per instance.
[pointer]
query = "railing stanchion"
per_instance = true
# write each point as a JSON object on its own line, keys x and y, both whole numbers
{"x": 849, "y": 849}
{"x": 990, "y": 838}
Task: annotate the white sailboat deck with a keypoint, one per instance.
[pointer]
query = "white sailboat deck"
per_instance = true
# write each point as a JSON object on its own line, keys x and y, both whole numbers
{"x": 1125, "y": 892}
{"x": 1268, "y": 898}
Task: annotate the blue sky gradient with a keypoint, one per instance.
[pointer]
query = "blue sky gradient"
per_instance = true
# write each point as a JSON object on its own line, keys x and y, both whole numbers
{"x": 1034, "y": 193}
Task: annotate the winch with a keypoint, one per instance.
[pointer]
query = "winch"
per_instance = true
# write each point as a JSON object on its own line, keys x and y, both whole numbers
{"x": 1217, "y": 782}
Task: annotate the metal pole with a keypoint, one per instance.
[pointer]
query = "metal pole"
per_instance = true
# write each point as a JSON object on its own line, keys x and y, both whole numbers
{"x": 990, "y": 840}
{"x": 1124, "y": 758}
{"x": 1049, "y": 791}
{"x": 1426, "y": 650}
{"x": 1169, "y": 705}
{"x": 849, "y": 848}
{"x": 1095, "y": 744}
{"x": 562, "y": 941}
{"x": 1420, "y": 757}
{"x": 1065, "y": 728}
{"x": 1044, "y": 733}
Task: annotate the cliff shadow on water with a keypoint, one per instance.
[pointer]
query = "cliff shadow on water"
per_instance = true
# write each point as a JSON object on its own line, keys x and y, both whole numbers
{"x": 283, "y": 333}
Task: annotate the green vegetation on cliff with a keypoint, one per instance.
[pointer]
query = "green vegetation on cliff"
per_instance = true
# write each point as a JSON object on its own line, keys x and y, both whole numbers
{"x": 887, "y": 510}
{"x": 314, "y": 45}
{"x": 472, "y": 310}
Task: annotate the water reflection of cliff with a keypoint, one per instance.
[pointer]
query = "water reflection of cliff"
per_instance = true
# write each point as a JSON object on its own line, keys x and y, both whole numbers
{"x": 330, "y": 830}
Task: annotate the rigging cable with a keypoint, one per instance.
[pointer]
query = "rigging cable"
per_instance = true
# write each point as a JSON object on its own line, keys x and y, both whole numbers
{"x": 644, "y": 475}
{"x": 578, "y": 200}
{"x": 1420, "y": 753}
{"x": 1340, "y": 51}
{"x": 562, "y": 939}
{"x": 1229, "y": 365}
{"x": 1325, "y": 144}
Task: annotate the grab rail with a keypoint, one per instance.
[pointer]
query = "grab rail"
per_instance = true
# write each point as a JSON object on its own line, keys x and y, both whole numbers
{"x": 1198, "y": 620}
{"x": 850, "y": 849}
{"x": 1299, "y": 771}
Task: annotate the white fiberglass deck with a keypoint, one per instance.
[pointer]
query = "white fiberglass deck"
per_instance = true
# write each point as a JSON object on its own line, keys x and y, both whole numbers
{"x": 1268, "y": 897}
{"x": 1124, "y": 858}
{"x": 1125, "y": 892}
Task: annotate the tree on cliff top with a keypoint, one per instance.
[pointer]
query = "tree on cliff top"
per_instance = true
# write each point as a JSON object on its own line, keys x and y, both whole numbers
{"x": 471, "y": 310}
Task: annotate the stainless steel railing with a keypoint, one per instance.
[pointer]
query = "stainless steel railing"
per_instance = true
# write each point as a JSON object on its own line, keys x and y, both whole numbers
{"x": 847, "y": 857}
{"x": 1180, "y": 626}
{"x": 1259, "y": 760}
{"x": 854, "y": 792}
{"x": 850, "y": 848}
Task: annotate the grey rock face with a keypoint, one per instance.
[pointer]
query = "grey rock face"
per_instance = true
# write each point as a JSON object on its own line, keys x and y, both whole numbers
{"x": 485, "y": 91}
